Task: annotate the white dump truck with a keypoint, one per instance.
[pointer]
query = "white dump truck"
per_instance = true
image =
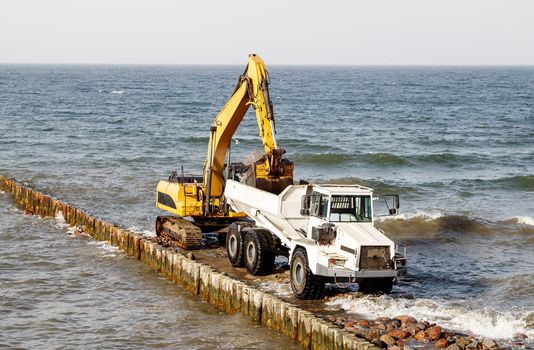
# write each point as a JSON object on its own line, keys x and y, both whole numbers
{"x": 326, "y": 231}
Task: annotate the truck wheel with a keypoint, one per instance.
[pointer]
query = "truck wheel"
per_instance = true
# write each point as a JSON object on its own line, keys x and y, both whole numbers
{"x": 234, "y": 246}
{"x": 375, "y": 285}
{"x": 258, "y": 257}
{"x": 304, "y": 283}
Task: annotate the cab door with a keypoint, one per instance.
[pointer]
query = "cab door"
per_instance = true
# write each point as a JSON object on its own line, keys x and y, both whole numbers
{"x": 319, "y": 210}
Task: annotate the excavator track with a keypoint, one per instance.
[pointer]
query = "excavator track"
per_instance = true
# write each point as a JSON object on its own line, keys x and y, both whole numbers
{"x": 179, "y": 232}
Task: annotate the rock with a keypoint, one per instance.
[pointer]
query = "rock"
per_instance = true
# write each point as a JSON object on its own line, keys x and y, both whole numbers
{"x": 404, "y": 319}
{"x": 398, "y": 333}
{"x": 377, "y": 342}
{"x": 462, "y": 342}
{"x": 371, "y": 334}
{"x": 383, "y": 319}
{"x": 420, "y": 335}
{"x": 394, "y": 324}
{"x": 407, "y": 347}
{"x": 349, "y": 324}
{"x": 412, "y": 328}
{"x": 452, "y": 347}
{"x": 442, "y": 343}
{"x": 422, "y": 325}
{"x": 190, "y": 255}
{"x": 520, "y": 336}
{"x": 400, "y": 342}
{"x": 424, "y": 340}
{"x": 488, "y": 343}
{"x": 363, "y": 323}
{"x": 388, "y": 340}
{"x": 379, "y": 325}
{"x": 472, "y": 345}
{"x": 340, "y": 321}
{"x": 434, "y": 332}
{"x": 394, "y": 347}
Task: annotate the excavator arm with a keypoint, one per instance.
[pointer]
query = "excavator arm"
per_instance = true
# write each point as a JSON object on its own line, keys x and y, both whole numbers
{"x": 252, "y": 90}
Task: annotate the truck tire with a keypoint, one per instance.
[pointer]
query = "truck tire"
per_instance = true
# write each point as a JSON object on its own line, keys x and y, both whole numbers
{"x": 234, "y": 246}
{"x": 257, "y": 254}
{"x": 304, "y": 283}
{"x": 375, "y": 285}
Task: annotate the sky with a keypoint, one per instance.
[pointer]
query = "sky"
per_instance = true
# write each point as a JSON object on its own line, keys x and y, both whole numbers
{"x": 335, "y": 32}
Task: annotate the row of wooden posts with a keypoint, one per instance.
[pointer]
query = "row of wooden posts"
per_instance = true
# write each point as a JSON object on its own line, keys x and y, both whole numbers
{"x": 224, "y": 292}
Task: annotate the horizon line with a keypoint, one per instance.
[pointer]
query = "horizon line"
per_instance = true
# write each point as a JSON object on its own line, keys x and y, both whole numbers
{"x": 270, "y": 65}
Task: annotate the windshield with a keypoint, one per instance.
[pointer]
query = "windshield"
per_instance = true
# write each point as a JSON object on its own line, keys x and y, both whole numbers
{"x": 351, "y": 209}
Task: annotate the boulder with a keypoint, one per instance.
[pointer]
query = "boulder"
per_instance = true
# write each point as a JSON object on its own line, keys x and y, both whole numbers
{"x": 462, "y": 342}
{"x": 420, "y": 335}
{"x": 405, "y": 319}
{"x": 412, "y": 329}
{"x": 388, "y": 340}
{"x": 452, "y": 347}
{"x": 371, "y": 334}
{"x": 434, "y": 332}
{"x": 393, "y": 324}
{"x": 442, "y": 343}
{"x": 363, "y": 323}
{"x": 520, "y": 336}
{"x": 379, "y": 325}
{"x": 488, "y": 343}
{"x": 399, "y": 333}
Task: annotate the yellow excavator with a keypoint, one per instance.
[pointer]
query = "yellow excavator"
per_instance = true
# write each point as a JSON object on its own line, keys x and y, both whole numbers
{"x": 198, "y": 201}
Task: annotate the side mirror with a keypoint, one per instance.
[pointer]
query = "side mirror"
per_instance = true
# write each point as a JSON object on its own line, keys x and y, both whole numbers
{"x": 393, "y": 209}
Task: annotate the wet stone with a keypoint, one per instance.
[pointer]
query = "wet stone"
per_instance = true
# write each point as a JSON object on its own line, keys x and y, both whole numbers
{"x": 420, "y": 335}
{"x": 405, "y": 319}
{"x": 442, "y": 343}
{"x": 388, "y": 340}
{"x": 488, "y": 343}
{"x": 461, "y": 342}
{"x": 520, "y": 336}
{"x": 398, "y": 334}
{"x": 371, "y": 334}
{"x": 452, "y": 347}
{"x": 434, "y": 332}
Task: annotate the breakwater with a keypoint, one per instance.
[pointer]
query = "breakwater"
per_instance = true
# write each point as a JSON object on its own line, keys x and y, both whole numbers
{"x": 201, "y": 279}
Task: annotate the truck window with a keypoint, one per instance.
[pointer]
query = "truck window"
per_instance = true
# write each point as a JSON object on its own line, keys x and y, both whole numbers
{"x": 319, "y": 205}
{"x": 351, "y": 209}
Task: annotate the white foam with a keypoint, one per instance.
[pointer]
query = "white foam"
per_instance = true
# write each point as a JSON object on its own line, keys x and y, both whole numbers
{"x": 117, "y": 91}
{"x": 485, "y": 323}
{"x": 106, "y": 249}
{"x": 525, "y": 220}
{"x": 417, "y": 215}
{"x": 145, "y": 233}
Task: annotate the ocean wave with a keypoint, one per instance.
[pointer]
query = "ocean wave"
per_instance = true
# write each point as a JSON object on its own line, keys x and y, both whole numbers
{"x": 446, "y": 159}
{"x": 432, "y": 225}
{"x": 329, "y": 158}
{"x": 389, "y": 159}
{"x": 518, "y": 182}
{"x": 378, "y": 186}
{"x": 117, "y": 91}
{"x": 485, "y": 322}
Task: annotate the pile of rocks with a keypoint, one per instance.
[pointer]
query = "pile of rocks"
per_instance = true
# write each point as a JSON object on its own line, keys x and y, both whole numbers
{"x": 405, "y": 333}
